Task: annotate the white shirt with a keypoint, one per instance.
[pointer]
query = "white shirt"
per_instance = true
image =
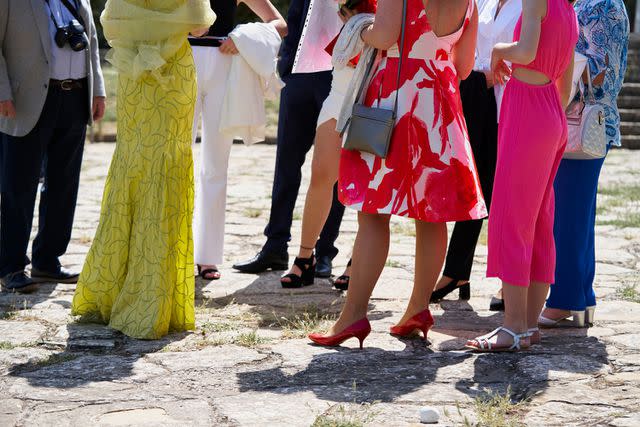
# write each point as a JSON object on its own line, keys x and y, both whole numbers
{"x": 493, "y": 30}
{"x": 65, "y": 63}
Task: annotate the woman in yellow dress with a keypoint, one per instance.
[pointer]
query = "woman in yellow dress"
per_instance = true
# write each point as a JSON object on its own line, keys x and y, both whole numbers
{"x": 139, "y": 276}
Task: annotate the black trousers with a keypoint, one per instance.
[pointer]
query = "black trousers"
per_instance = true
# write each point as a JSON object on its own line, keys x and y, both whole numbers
{"x": 300, "y": 104}
{"x": 55, "y": 146}
{"x": 480, "y": 112}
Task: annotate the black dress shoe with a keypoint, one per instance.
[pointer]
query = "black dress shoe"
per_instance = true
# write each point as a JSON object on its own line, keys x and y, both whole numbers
{"x": 18, "y": 282}
{"x": 464, "y": 291}
{"x": 63, "y": 275}
{"x": 323, "y": 267}
{"x": 264, "y": 261}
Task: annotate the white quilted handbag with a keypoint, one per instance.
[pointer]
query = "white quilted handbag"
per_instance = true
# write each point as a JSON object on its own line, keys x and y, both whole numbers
{"x": 586, "y": 123}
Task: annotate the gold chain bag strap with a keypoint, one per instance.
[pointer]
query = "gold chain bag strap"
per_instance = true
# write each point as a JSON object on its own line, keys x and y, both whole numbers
{"x": 370, "y": 128}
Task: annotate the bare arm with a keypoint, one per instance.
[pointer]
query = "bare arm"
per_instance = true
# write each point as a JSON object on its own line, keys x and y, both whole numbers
{"x": 268, "y": 13}
{"x": 464, "y": 51}
{"x": 564, "y": 84}
{"x": 524, "y": 51}
{"x": 385, "y": 31}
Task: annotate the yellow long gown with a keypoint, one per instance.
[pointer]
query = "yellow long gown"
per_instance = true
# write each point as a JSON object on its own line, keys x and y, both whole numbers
{"x": 138, "y": 276}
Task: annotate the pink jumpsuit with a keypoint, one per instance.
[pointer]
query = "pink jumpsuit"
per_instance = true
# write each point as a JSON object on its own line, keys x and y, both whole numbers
{"x": 531, "y": 139}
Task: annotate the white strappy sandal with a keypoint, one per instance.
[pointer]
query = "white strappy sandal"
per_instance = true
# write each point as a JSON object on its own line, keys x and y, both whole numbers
{"x": 577, "y": 320}
{"x": 483, "y": 345}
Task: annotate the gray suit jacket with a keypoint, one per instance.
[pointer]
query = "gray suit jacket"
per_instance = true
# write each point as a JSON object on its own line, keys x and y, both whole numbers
{"x": 25, "y": 55}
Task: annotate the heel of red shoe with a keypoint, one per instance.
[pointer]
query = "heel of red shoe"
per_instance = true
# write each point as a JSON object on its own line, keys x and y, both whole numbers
{"x": 362, "y": 336}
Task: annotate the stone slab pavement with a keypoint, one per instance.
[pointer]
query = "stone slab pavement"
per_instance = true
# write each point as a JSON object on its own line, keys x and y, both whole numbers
{"x": 249, "y": 364}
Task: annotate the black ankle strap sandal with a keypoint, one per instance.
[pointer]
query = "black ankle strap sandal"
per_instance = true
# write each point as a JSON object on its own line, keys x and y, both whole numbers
{"x": 342, "y": 282}
{"x": 308, "y": 268}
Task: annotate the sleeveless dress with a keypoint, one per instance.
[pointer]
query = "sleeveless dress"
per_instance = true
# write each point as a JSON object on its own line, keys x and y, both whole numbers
{"x": 139, "y": 275}
{"x": 531, "y": 141}
{"x": 429, "y": 173}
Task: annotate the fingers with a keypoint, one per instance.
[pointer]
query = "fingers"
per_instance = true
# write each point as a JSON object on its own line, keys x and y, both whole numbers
{"x": 7, "y": 109}
{"x": 228, "y": 47}
{"x": 11, "y": 111}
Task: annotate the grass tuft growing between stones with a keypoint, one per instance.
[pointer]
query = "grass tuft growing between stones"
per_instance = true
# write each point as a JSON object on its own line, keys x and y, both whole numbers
{"x": 216, "y": 327}
{"x": 629, "y": 292}
{"x": 302, "y": 323}
{"x": 393, "y": 264}
{"x": 618, "y": 204}
{"x": 6, "y": 345}
{"x": 8, "y": 315}
{"x": 345, "y": 416}
{"x": 497, "y": 410}
{"x": 249, "y": 339}
{"x": 252, "y": 212}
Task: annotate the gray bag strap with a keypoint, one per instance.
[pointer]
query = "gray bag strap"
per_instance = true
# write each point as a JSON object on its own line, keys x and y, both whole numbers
{"x": 365, "y": 81}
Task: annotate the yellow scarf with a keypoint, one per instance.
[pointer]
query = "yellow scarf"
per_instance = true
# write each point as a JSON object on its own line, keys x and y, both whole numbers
{"x": 144, "y": 34}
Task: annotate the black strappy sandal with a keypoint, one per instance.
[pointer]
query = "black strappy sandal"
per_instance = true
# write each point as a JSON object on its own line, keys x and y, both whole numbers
{"x": 308, "y": 268}
{"x": 204, "y": 273}
{"x": 344, "y": 279}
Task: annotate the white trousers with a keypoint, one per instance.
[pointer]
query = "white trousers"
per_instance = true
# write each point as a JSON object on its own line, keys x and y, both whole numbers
{"x": 212, "y": 69}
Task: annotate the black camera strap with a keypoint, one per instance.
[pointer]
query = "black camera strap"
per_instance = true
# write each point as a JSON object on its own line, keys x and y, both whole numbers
{"x": 73, "y": 9}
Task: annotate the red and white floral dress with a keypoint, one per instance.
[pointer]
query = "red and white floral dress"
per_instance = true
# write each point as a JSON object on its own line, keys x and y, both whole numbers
{"x": 429, "y": 173}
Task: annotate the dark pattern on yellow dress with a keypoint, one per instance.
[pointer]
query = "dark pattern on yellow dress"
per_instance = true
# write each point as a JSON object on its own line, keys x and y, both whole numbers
{"x": 138, "y": 276}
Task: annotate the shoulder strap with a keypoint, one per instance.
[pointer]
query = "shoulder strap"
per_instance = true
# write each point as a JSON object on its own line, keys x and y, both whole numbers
{"x": 367, "y": 74}
{"x": 402, "y": 32}
{"x": 74, "y": 10}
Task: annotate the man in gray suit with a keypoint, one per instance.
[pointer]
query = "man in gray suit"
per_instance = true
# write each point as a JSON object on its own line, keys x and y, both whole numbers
{"x": 51, "y": 87}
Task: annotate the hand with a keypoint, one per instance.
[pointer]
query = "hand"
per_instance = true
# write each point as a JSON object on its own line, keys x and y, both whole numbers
{"x": 7, "y": 109}
{"x": 199, "y": 32}
{"x": 345, "y": 14}
{"x": 98, "y": 108}
{"x": 488, "y": 75}
{"x": 228, "y": 47}
{"x": 501, "y": 71}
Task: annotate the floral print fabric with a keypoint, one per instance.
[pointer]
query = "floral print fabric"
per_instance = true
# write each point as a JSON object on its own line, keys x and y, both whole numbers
{"x": 429, "y": 173}
{"x": 604, "y": 37}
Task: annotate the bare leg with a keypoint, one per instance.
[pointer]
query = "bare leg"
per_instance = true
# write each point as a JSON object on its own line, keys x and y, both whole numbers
{"x": 536, "y": 298}
{"x": 431, "y": 248}
{"x": 515, "y": 313}
{"x": 324, "y": 173}
{"x": 369, "y": 256}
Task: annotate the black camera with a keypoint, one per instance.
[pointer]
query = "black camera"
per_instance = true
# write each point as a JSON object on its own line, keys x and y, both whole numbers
{"x": 73, "y": 34}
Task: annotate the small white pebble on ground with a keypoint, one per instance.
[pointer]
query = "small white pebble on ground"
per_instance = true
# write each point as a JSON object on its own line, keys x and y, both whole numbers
{"x": 429, "y": 415}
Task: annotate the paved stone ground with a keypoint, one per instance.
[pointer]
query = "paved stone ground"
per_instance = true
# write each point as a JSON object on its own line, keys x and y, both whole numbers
{"x": 248, "y": 363}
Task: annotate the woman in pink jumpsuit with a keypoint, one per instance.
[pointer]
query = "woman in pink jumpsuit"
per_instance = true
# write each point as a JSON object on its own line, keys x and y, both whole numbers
{"x": 531, "y": 141}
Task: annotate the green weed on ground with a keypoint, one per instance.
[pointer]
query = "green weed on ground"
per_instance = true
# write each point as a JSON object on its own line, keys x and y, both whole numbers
{"x": 301, "y": 323}
{"x": 345, "y": 416}
{"x": 619, "y": 204}
{"x": 629, "y": 292}
{"x": 494, "y": 409}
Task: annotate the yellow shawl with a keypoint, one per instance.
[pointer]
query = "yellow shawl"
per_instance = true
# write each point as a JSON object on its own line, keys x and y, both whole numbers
{"x": 144, "y": 34}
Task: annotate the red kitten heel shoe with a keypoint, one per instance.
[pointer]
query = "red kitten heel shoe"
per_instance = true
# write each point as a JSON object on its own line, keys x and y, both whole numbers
{"x": 422, "y": 321}
{"x": 361, "y": 329}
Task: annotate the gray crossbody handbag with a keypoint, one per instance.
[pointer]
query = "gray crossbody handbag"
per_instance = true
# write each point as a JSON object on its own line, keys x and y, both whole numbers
{"x": 370, "y": 128}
